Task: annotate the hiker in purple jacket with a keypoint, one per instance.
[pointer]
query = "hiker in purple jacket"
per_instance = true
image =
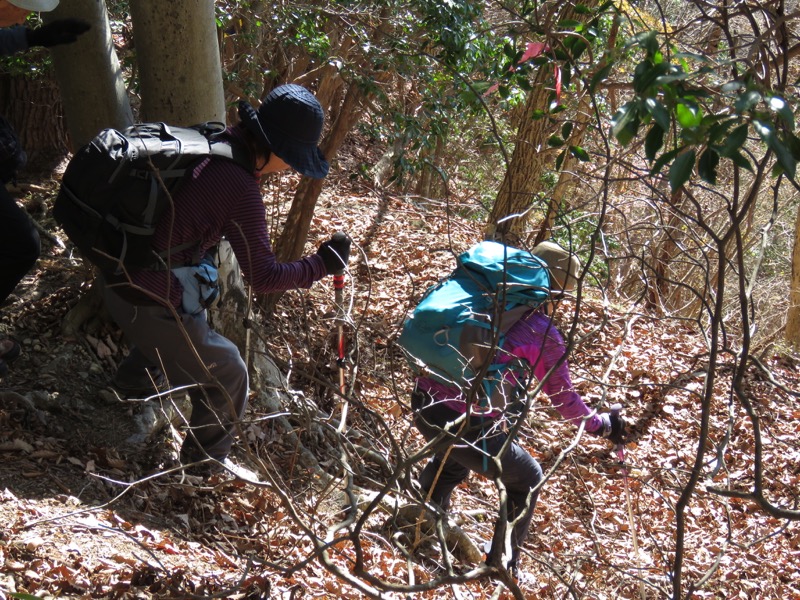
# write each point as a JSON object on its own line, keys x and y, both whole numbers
{"x": 221, "y": 199}
{"x": 19, "y": 240}
{"x": 539, "y": 348}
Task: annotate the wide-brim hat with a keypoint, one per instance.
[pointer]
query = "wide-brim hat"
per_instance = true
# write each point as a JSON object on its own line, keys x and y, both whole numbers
{"x": 35, "y": 5}
{"x": 289, "y": 123}
{"x": 563, "y": 265}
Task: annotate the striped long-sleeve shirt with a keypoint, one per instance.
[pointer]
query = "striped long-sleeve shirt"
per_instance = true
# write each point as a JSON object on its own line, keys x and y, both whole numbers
{"x": 223, "y": 199}
{"x": 535, "y": 339}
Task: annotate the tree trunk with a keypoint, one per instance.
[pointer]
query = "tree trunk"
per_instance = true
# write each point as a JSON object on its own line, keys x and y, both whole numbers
{"x": 298, "y": 221}
{"x": 522, "y": 180}
{"x": 179, "y": 66}
{"x": 532, "y": 156}
{"x": 90, "y": 75}
{"x": 94, "y": 97}
{"x": 793, "y": 315}
{"x": 665, "y": 249}
{"x": 428, "y": 179}
{"x": 560, "y": 200}
{"x": 291, "y": 244}
{"x": 33, "y": 107}
{"x": 179, "y": 62}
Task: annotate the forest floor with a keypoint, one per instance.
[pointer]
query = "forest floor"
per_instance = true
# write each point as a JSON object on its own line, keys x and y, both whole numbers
{"x": 86, "y": 513}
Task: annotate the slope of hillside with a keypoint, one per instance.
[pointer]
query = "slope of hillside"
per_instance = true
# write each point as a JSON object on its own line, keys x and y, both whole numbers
{"x": 87, "y": 512}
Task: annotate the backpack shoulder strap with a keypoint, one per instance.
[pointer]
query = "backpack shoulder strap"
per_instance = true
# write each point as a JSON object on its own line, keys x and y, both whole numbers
{"x": 476, "y": 338}
{"x": 226, "y": 148}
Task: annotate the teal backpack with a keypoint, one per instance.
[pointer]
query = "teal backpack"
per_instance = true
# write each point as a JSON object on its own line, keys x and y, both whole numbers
{"x": 461, "y": 322}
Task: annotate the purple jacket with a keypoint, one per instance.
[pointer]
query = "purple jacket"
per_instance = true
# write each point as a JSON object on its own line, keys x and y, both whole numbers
{"x": 223, "y": 199}
{"x": 535, "y": 339}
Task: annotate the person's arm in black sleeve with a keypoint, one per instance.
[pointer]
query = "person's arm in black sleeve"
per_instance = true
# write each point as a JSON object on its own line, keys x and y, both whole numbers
{"x": 63, "y": 31}
{"x": 13, "y": 40}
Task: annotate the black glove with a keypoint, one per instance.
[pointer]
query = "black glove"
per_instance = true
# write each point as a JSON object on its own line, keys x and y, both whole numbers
{"x": 613, "y": 428}
{"x": 63, "y": 31}
{"x": 335, "y": 253}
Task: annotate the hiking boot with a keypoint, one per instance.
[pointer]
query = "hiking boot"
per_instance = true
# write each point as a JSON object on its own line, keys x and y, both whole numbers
{"x": 230, "y": 468}
{"x": 143, "y": 387}
{"x": 221, "y": 470}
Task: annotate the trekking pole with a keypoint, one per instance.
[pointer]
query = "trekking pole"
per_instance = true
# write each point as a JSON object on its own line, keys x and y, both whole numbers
{"x": 619, "y": 449}
{"x": 338, "y": 298}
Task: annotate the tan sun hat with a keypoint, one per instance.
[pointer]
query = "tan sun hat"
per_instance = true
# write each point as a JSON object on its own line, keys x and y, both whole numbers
{"x": 35, "y": 5}
{"x": 564, "y": 266}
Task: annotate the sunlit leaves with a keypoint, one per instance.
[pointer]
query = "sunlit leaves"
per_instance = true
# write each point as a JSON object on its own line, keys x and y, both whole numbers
{"x": 452, "y": 23}
{"x": 747, "y": 101}
{"x": 580, "y": 153}
{"x": 674, "y": 75}
{"x": 577, "y": 152}
{"x": 782, "y": 153}
{"x": 625, "y": 124}
{"x": 658, "y": 112}
{"x": 688, "y": 113}
{"x": 673, "y": 93}
{"x": 782, "y": 108}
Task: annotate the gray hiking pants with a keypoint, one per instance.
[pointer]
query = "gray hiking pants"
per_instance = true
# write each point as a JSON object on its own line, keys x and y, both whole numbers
{"x": 458, "y": 456}
{"x": 160, "y": 341}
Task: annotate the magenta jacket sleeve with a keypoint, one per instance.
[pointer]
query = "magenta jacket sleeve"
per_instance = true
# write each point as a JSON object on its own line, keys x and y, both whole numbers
{"x": 536, "y": 339}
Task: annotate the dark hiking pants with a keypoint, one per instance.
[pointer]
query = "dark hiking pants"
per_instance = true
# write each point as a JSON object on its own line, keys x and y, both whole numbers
{"x": 19, "y": 244}
{"x": 161, "y": 341}
{"x": 480, "y": 440}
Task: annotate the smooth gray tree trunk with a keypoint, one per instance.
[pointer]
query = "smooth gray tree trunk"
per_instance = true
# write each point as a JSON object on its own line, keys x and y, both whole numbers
{"x": 179, "y": 62}
{"x": 89, "y": 74}
{"x": 181, "y": 84}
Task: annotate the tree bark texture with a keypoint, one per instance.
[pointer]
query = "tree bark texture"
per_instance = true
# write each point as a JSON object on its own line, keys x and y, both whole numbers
{"x": 561, "y": 200}
{"x": 89, "y": 74}
{"x": 298, "y": 222}
{"x": 532, "y": 156}
{"x": 33, "y": 107}
{"x": 179, "y": 61}
{"x": 510, "y": 212}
